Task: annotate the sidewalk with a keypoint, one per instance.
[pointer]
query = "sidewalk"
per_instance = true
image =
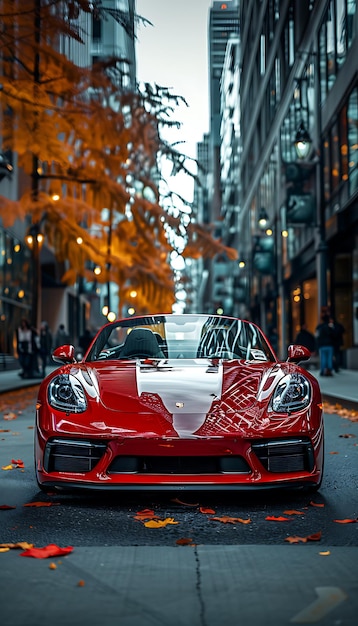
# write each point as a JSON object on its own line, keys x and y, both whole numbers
{"x": 341, "y": 388}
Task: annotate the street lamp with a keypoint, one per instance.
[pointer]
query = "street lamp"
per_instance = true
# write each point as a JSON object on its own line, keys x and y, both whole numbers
{"x": 34, "y": 239}
{"x": 263, "y": 218}
{"x": 302, "y": 142}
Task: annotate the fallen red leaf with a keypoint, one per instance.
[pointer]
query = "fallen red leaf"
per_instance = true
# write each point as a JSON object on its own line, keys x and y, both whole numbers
{"x": 272, "y": 518}
{"x": 318, "y": 504}
{"x": 345, "y": 521}
{"x": 315, "y": 536}
{"x": 202, "y": 509}
{"x": 6, "y": 507}
{"x": 50, "y": 550}
{"x": 145, "y": 514}
{"x": 293, "y": 512}
{"x": 186, "y": 541}
{"x": 17, "y": 463}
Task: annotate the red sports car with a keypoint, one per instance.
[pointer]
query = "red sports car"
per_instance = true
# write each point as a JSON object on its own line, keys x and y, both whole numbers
{"x": 179, "y": 402}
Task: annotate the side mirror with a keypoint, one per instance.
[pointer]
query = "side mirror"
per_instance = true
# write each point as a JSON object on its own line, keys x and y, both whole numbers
{"x": 64, "y": 354}
{"x": 296, "y": 353}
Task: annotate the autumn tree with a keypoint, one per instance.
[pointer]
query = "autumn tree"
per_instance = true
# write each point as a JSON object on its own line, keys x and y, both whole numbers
{"x": 87, "y": 144}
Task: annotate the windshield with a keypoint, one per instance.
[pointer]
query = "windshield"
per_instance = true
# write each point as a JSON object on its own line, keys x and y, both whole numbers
{"x": 181, "y": 337}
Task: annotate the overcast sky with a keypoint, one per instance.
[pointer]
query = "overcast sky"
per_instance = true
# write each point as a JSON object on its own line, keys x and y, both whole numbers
{"x": 174, "y": 53}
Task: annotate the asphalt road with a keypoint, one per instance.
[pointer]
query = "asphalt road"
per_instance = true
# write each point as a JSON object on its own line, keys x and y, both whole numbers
{"x": 228, "y": 572}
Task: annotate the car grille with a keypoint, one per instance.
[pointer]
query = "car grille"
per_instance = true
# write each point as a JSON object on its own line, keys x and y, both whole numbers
{"x": 178, "y": 465}
{"x": 285, "y": 455}
{"x": 62, "y": 455}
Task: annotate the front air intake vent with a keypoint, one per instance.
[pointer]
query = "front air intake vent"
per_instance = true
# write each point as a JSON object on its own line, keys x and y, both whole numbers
{"x": 179, "y": 465}
{"x": 76, "y": 456}
{"x": 288, "y": 455}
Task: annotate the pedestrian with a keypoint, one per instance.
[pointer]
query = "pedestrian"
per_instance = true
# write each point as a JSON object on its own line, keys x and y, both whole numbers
{"x": 338, "y": 343}
{"x": 45, "y": 348}
{"x": 26, "y": 348}
{"x": 62, "y": 337}
{"x": 307, "y": 339}
{"x": 325, "y": 337}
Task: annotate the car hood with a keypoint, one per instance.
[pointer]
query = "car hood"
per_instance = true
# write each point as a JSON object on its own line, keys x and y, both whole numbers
{"x": 184, "y": 398}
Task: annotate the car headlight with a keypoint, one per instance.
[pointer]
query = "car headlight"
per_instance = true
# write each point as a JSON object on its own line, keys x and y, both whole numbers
{"x": 293, "y": 393}
{"x": 66, "y": 393}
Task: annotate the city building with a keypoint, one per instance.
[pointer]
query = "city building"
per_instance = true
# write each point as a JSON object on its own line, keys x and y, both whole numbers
{"x": 299, "y": 81}
{"x": 222, "y": 24}
{"x": 288, "y": 178}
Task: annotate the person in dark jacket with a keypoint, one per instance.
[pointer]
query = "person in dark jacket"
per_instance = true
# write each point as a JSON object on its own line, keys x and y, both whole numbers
{"x": 26, "y": 348}
{"x": 338, "y": 344}
{"x": 45, "y": 346}
{"x": 305, "y": 338}
{"x": 62, "y": 337}
{"x": 325, "y": 337}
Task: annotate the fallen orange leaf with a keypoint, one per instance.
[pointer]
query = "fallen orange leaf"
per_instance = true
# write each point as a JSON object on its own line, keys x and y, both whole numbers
{"x": 293, "y": 512}
{"x": 160, "y": 523}
{"x": 346, "y": 521}
{"x": 207, "y": 511}
{"x": 185, "y": 542}
{"x": 81, "y": 583}
{"x": 318, "y": 504}
{"x": 52, "y": 566}
{"x": 295, "y": 539}
{"x": 230, "y": 520}
{"x": 10, "y": 416}
{"x": 6, "y": 507}
{"x": 20, "y": 544}
{"x": 4, "y": 549}
{"x": 334, "y": 452}
{"x": 325, "y": 553}
{"x": 50, "y": 550}
{"x": 272, "y": 518}
{"x": 7, "y": 467}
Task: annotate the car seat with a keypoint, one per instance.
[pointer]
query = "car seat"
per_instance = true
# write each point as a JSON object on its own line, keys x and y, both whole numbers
{"x": 141, "y": 343}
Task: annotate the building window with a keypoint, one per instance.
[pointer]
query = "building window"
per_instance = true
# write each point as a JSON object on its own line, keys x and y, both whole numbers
{"x": 335, "y": 38}
{"x": 96, "y": 28}
{"x": 352, "y": 115}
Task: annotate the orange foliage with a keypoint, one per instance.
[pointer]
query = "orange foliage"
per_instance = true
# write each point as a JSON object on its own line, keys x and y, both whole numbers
{"x": 75, "y": 133}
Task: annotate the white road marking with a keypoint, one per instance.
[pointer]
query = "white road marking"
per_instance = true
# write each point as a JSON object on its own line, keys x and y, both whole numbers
{"x": 328, "y": 599}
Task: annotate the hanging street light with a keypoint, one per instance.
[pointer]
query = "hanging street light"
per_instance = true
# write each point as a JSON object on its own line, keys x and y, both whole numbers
{"x": 302, "y": 142}
{"x": 263, "y": 218}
